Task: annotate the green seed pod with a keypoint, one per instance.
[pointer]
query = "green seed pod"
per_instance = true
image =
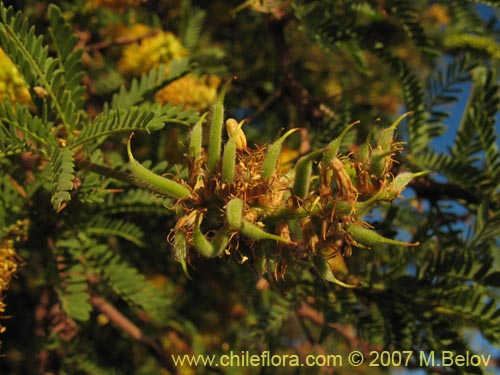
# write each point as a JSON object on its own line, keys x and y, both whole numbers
{"x": 206, "y": 248}
{"x": 303, "y": 172}
{"x": 380, "y": 162}
{"x": 154, "y": 182}
{"x": 386, "y": 136}
{"x": 333, "y": 147}
{"x": 323, "y": 268}
{"x": 365, "y": 148}
{"x": 215, "y": 134}
{"x": 273, "y": 154}
{"x": 369, "y": 237}
{"x": 220, "y": 240}
{"x": 399, "y": 183}
{"x": 234, "y": 213}
{"x": 195, "y": 142}
{"x": 229, "y": 154}
{"x": 180, "y": 250}
{"x": 255, "y": 232}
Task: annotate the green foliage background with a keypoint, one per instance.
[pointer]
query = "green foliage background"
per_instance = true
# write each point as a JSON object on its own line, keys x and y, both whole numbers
{"x": 99, "y": 290}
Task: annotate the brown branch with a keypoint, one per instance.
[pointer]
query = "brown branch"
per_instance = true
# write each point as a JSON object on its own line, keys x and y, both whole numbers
{"x": 434, "y": 191}
{"x": 349, "y": 335}
{"x": 118, "y": 41}
{"x": 105, "y": 171}
{"x": 126, "y": 325}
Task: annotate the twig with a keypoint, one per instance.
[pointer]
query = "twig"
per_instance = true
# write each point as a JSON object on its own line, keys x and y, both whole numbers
{"x": 118, "y": 41}
{"x": 127, "y": 326}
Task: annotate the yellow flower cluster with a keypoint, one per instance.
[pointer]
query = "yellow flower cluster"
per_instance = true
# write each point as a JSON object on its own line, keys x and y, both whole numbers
{"x": 192, "y": 91}
{"x": 157, "y": 47}
{"x": 12, "y": 85}
{"x": 9, "y": 261}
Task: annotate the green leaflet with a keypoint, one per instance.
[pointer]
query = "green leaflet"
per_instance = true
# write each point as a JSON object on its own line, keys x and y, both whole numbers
{"x": 153, "y": 181}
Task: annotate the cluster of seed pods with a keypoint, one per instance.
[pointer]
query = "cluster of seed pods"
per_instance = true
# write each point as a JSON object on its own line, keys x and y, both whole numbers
{"x": 239, "y": 201}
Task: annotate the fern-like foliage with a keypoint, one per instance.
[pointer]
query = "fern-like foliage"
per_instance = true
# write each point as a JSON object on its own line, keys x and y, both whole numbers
{"x": 10, "y": 143}
{"x": 442, "y": 87}
{"x": 126, "y": 98}
{"x": 32, "y": 58}
{"x": 325, "y": 26}
{"x": 146, "y": 118}
{"x": 116, "y": 227}
{"x": 19, "y": 117}
{"x": 69, "y": 59}
{"x": 126, "y": 281}
{"x": 407, "y": 15}
{"x": 63, "y": 173}
{"x": 135, "y": 200}
{"x": 476, "y": 140}
{"x": 145, "y": 87}
{"x": 73, "y": 292}
{"x": 193, "y": 20}
{"x": 419, "y": 130}
{"x": 466, "y": 17}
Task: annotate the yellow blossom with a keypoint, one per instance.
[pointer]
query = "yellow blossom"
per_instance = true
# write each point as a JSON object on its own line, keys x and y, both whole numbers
{"x": 9, "y": 261}
{"x": 192, "y": 91}
{"x": 160, "y": 48}
{"x": 12, "y": 84}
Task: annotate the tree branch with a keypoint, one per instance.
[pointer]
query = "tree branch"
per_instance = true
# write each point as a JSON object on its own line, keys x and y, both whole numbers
{"x": 123, "y": 323}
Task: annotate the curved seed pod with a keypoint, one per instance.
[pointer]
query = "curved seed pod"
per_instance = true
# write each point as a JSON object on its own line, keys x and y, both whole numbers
{"x": 220, "y": 240}
{"x": 215, "y": 133}
{"x": 303, "y": 171}
{"x": 233, "y": 129}
{"x": 273, "y": 154}
{"x": 180, "y": 250}
{"x": 369, "y": 237}
{"x": 234, "y": 213}
{"x": 195, "y": 142}
{"x": 387, "y": 135}
{"x": 206, "y": 248}
{"x": 229, "y": 154}
{"x": 322, "y": 267}
{"x": 333, "y": 147}
{"x": 154, "y": 182}
{"x": 365, "y": 148}
{"x": 257, "y": 233}
{"x": 399, "y": 183}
